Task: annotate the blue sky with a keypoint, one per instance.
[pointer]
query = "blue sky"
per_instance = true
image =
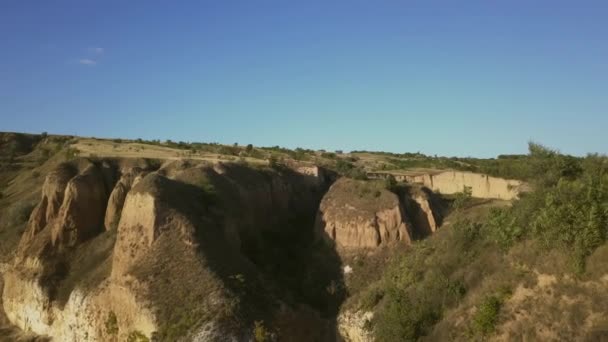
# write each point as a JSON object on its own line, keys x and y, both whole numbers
{"x": 466, "y": 78}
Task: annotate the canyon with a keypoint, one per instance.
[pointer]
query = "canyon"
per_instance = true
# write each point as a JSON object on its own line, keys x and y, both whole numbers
{"x": 109, "y": 238}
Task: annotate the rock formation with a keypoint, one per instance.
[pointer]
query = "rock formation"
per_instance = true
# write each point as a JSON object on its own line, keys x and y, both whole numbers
{"x": 118, "y": 196}
{"x": 82, "y": 210}
{"x": 356, "y": 216}
{"x": 52, "y": 198}
{"x": 203, "y": 226}
{"x": 116, "y": 249}
{"x": 364, "y": 215}
{"x": 451, "y": 182}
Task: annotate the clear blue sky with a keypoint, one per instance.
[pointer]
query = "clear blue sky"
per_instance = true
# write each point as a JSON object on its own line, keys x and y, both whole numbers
{"x": 467, "y": 78}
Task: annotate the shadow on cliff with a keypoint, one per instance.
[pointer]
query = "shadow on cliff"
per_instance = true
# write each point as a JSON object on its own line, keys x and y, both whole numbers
{"x": 255, "y": 229}
{"x": 422, "y": 227}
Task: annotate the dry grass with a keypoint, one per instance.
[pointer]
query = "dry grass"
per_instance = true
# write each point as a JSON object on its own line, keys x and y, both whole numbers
{"x": 108, "y": 148}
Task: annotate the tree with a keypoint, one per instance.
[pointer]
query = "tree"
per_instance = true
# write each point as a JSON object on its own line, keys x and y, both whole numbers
{"x": 249, "y": 148}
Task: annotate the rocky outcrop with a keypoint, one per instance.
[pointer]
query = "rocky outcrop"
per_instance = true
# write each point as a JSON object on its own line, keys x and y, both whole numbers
{"x": 47, "y": 209}
{"x": 451, "y": 182}
{"x": 187, "y": 236}
{"x": 424, "y": 210}
{"x": 140, "y": 224}
{"x": 427, "y": 216}
{"x": 118, "y": 196}
{"x": 82, "y": 209}
{"x": 355, "y": 214}
{"x": 482, "y": 186}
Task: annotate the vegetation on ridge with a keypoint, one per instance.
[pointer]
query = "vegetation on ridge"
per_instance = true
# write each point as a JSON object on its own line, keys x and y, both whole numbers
{"x": 565, "y": 216}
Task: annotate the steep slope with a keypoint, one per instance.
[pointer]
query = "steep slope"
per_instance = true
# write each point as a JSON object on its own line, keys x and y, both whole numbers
{"x": 216, "y": 230}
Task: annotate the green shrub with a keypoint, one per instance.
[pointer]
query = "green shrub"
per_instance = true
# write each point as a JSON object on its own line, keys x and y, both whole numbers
{"x": 137, "y": 336}
{"x": 71, "y": 153}
{"x": 260, "y": 333}
{"x": 273, "y": 162}
{"x": 502, "y": 228}
{"x": 111, "y": 324}
{"x": 485, "y": 318}
{"x": 462, "y": 199}
{"x": 390, "y": 183}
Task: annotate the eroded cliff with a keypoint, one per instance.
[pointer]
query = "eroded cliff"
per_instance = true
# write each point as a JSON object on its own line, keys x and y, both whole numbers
{"x": 184, "y": 251}
{"x": 116, "y": 249}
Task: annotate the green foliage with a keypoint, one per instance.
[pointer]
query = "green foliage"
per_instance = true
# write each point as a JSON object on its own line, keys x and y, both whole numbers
{"x": 328, "y": 155}
{"x": 485, "y": 318}
{"x": 567, "y": 212}
{"x": 260, "y": 333}
{"x": 390, "y": 183}
{"x": 422, "y": 285}
{"x": 137, "y": 336}
{"x": 371, "y": 297}
{"x": 501, "y": 227}
{"x": 249, "y": 148}
{"x": 71, "y": 153}
{"x": 273, "y": 162}
{"x": 568, "y": 209}
{"x": 111, "y": 324}
{"x": 462, "y": 199}
{"x": 348, "y": 169}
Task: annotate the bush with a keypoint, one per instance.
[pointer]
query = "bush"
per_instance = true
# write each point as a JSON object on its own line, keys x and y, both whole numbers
{"x": 71, "y": 153}
{"x": 260, "y": 333}
{"x": 462, "y": 199}
{"x": 273, "y": 162}
{"x": 111, "y": 324}
{"x": 137, "y": 336}
{"x": 485, "y": 318}
{"x": 390, "y": 183}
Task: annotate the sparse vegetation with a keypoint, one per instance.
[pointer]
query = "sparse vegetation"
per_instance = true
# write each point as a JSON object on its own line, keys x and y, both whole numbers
{"x": 566, "y": 214}
{"x": 71, "y": 153}
{"x": 260, "y": 333}
{"x": 137, "y": 336}
{"x": 19, "y": 213}
{"x": 485, "y": 318}
{"x": 462, "y": 199}
{"x": 111, "y": 324}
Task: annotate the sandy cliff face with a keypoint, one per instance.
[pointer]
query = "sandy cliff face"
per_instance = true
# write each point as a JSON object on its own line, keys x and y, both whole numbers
{"x": 118, "y": 196}
{"x": 482, "y": 186}
{"x": 357, "y": 215}
{"x": 83, "y": 207}
{"x": 69, "y": 214}
{"x": 52, "y": 198}
{"x": 197, "y": 225}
